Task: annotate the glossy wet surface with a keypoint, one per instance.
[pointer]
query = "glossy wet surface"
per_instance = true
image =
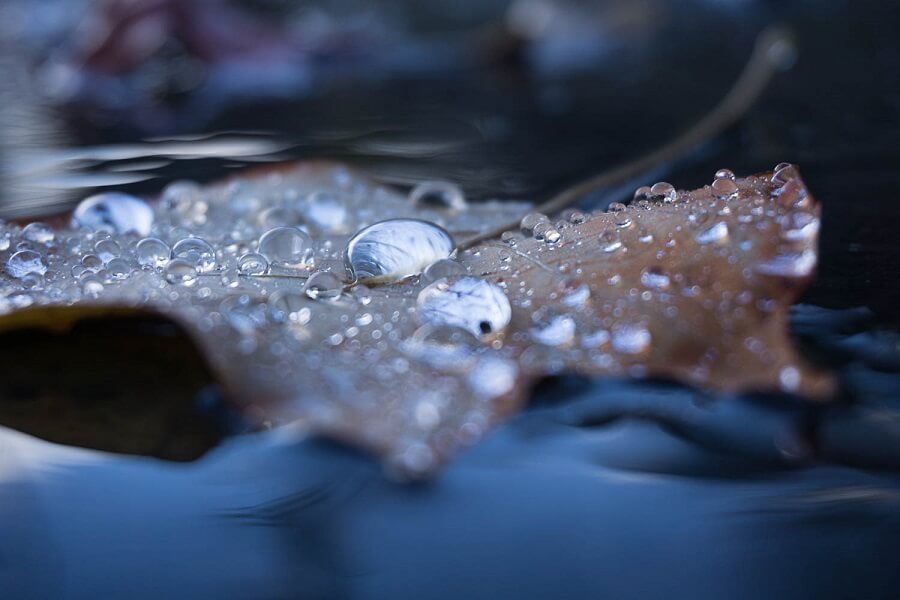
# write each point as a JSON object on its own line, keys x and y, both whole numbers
{"x": 615, "y": 489}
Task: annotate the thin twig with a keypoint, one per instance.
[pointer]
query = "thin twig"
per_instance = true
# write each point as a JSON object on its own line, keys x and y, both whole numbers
{"x": 763, "y": 62}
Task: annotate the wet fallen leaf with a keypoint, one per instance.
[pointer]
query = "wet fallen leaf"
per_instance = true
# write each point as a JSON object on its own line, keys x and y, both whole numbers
{"x": 693, "y": 286}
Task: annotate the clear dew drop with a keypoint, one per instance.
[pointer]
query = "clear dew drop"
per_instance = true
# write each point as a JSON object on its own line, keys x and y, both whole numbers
{"x": 39, "y": 233}
{"x": 664, "y": 191}
{"x": 253, "y": 264}
{"x": 725, "y": 174}
{"x": 716, "y": 234}
{"x": 473, "y": 304}
{"x": 642, "y": 193}
{"x": 724, "y": 187}
{"x": 118, "y": 269}
{"x": 107, "y": 250}
{"x": 442, "y": 269}
{"x": 395, "y": 249}
{"x": 181, "y": 272}
{"x": 530, "y": 221}
{"x": 655, "y": 278}
{"x": 438, "y": 193}
{"x": 196, "y": 251}
{"x": 91, "y": 286}
{"x": 630, "y": 338}
{"x": 153, "y": 253}
{"x": 287, "y": 247}
{"x": 25, "y": 262}
{"x": 555, "y": 330}
{"x": 546, "y": 232}
{"x": 610, "y": 240}
{"x": 114, "y": 212}
{"x": 324, "y": 285}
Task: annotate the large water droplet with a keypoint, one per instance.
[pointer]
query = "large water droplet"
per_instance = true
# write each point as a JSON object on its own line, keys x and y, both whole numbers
{"x": 287, "y": 247}
{"x": 197, "y": 252}
{"x": 473, "y": 304}
{"x": 529, "y": 221}
{"x": 441, "y": 193}
{"x": 25, "y": 262}
{"x": 395, "y": 249}
{"x": 664, "y": 191}
{"x": 114, "y": 212}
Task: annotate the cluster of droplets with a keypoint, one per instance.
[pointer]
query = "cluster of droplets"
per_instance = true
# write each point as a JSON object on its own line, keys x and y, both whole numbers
{"x": 295, "y": 267}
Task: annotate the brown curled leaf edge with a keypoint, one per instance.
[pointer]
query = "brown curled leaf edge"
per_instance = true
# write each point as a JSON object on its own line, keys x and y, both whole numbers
{"x": 693, "y": 287}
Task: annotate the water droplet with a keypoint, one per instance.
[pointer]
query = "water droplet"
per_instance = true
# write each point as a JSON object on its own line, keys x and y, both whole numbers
{"x": 555, "y": 330}
{"x": 473, "y": 304}
{"x": 654, "y": 277}
{"x": 114, "y": 212}
{"x": 39, "y": 233}
{"x": 576, "y": 217}
{"x": 287, "y": 247}
{"x": 529, "y": 221}
{"x": 724, "y": 188}
{"x": 92, "y": 262}
{"x": 395, "y": 249}
{"x": 789, "y": 378}
{"x": 442, "y": 193}
{"x": 610, "y": 240}
{"x": 118, "y": 269}
{"x": 152, "y": 252}
{"x": 717, "y": 234}
{"x": 664, "y": 191}
{"x": 197, "y": 252}
{"x": 443, "y": 269}
{"x": 642, "y": 193}
{"x": 253, "y": 264}
{"x": 645, "y": 237}
{"x": 546, "y": 232}
{"x": 181, "y": 272}
{"x": 107, "y": 250}
{"x": 492, "y": 377}
{"x": 630, "y": 338}
{"x": 725, "y": 174}
{"x": 91, "y": 286}
{"x": 575, "y": 294}
{"x": 324, "y": 285}
{"x": 24, "y": 262}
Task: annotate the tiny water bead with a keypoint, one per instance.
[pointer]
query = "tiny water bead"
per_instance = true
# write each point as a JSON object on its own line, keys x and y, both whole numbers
{"x": 395, "y": 249}
{"x": 716, "y": 234}
{"x": 181, "y": 272}
{"x": 114, "y": 212}
{"x": 196, "y": 252}
{"x": 655, "y": 278}
{"x": 152, "y": 252}
{"x": 439, "y": 193}
{"x": 470, "y": 303}
{"x": 253, "y": 263}
{"x": 724, "y": 187}
{"x": 107, "y": 250}
{"x": 25, "y": 262}
{"x": 610, "y": 240}
{"x": 324, "y": 285}
{"x": 546, "y": 232}
{"x": 287, "y": 247}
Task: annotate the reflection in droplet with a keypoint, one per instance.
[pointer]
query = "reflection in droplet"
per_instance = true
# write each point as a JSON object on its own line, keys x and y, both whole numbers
{"x": 253, "y": 264}
{"x": 197, "y": 252}
{"x": 37, "y": 232}
{"x": 152, "y": 252}
{"x": 473, "y": 304}
{"x": 717, "y": 234}
{"x": 395, "y": 249}
{"x": 25, "y": 262}
{"x": 324, "y": 285}
{"x": 441, "y": 193}
{"x": 287, "y": 247}
{"x": 557, "y": 330}
{"x": 114, "y": 212}
{"x": 181, "y": 272}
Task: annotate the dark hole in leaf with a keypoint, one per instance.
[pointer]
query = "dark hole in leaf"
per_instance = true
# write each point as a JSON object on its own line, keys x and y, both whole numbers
{"x": 133, "y": 385}
{"x": 485, "y": 327}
